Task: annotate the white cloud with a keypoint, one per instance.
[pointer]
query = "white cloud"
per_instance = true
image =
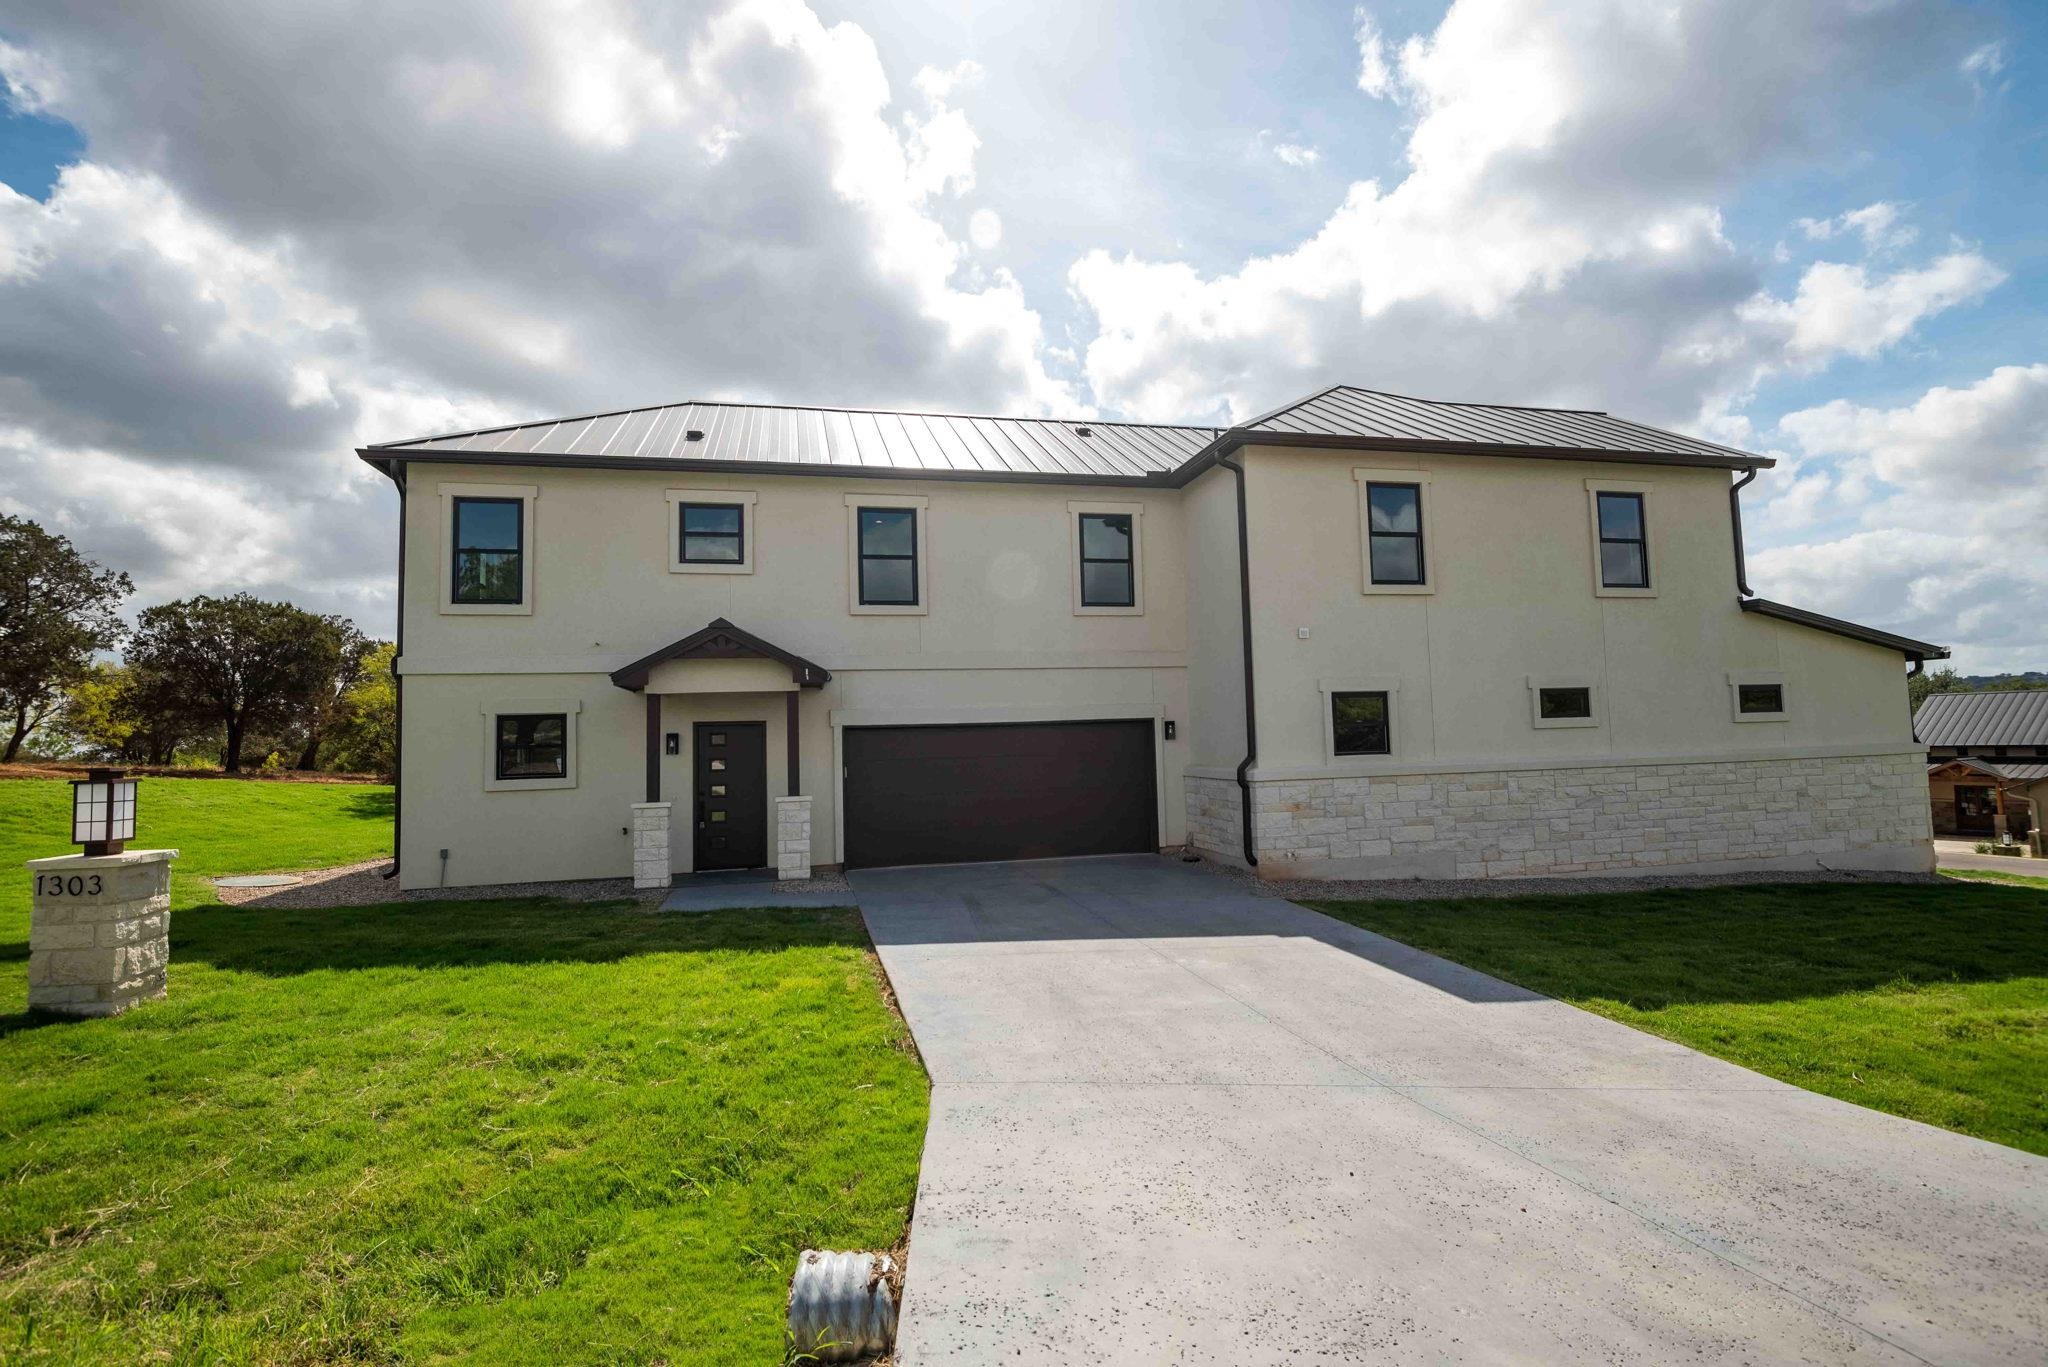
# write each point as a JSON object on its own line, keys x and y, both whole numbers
{"x": 531, "y": 208}
{"x": 1983, "y": 65}
{"x": 985, "y": 229}
{"x": 1944, "y": 510}
{"x": 1564, "y": 173}
{"x": 1879, "y": 225}
{"x": 1375, "y": 73}
{"x": 1296, "y": 154}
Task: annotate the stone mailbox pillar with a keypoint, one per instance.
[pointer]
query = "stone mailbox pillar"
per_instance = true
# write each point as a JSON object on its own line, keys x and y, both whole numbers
{"x": 650, "y": 845}
{"x": 99, "y": 938}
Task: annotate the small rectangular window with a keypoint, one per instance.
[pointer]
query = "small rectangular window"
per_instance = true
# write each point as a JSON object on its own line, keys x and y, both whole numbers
{"x": 1564, "y": 704}
{"x": 490, "y": 548}
{"x": 713, "y": 533}
{"x": 1395, "y": 513}
{"x": 1755, "y": 698}
{"x": 533, "y": 745}
{"x": 1358, "y": 724}
{"x": 888, "y": 556}
{"x": 1108, "y": 579}
{"x": 1624, "y": 543}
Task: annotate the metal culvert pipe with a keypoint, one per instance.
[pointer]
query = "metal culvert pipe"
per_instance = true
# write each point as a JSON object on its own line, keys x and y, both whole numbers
{"x": 842, "y": 1306}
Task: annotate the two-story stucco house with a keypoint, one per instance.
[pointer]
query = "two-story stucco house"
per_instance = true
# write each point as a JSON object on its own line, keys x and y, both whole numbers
{"x": 1363, "y": 636}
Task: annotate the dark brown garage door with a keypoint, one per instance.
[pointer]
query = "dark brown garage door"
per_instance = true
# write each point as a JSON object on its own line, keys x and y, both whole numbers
{"x": 954, "y": 794}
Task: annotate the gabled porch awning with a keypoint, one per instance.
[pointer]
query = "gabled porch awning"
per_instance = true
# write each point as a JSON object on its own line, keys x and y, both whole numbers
{"x": 721, "y": 640}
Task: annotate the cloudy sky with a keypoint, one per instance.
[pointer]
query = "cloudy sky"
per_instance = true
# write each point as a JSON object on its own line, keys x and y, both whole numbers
{"x": 235, "y": 245}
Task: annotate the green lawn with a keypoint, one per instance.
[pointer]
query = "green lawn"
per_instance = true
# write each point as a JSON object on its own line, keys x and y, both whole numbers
{"x": 1926, "y": 1001}
{"x": 2018, "y": 880}
{"x": 509, "y": 1132}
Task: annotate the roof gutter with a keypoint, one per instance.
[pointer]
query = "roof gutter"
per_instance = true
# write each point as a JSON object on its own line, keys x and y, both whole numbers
{"x": 1244, "y": 589}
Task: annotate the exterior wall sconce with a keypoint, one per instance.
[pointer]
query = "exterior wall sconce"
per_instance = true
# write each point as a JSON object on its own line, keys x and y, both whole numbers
{"x": 103, "y": 811}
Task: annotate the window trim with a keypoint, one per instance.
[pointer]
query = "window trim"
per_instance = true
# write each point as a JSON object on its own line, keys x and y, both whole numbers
{"x": 1739, "y": 678}
{"x": 1328, "y": 689}
{"x": 1078, "y": 509}
{"x": 1425, "y": 530}
{"x": 568, "y": 708}
{"x": 920, "y": 561}
{"x": 727, "y": 498}
{"x": 1594, "y": 488}
{"x": 1536, "y": 685}
{"x": 527, "y": 495}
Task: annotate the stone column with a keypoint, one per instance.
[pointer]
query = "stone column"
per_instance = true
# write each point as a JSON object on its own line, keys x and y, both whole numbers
{"x": 650, "y": 845}
{"x": 792, "y": 837}
{"x": 99, "y": 938}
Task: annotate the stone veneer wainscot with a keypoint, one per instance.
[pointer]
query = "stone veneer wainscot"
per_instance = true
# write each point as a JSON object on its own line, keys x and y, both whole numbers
{"x": 1858, "y": 811}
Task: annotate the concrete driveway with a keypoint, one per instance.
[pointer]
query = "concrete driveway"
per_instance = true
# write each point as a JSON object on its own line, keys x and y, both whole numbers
{"x": 1962, "y": 854}
{"x": 1174, "y": 1122}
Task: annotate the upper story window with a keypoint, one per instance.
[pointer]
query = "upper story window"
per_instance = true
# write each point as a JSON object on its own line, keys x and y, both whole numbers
{"x": 887, "y": 556}
{"x": 1394, "y": 539}
{"x": 713, "y": 533}
{"x": 1108, "y": 561}
{"x": 1624, "y": 540}
{"x": 489, "y": 565}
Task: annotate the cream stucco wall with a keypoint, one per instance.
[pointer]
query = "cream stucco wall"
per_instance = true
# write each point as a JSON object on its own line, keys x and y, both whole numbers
{"x": 999, "y": 639}
{"x": 1513, "y": 596}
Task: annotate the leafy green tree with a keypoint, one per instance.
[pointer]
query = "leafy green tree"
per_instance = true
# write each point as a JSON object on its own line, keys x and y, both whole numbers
{"x": 57, "y": 609}
{"x": 123, "y": 713}
{"x": 324, "y": 707}
{"x": 240, "y": 662}
{"x": 1931, "y": 681}
{"x": 365, "y": 735}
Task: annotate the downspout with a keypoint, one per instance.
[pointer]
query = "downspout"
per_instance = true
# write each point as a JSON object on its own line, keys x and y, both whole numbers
{"x": 398, "y": 683}
{"x": 1251, "y": 716}
{"x": 1735, "y": 522}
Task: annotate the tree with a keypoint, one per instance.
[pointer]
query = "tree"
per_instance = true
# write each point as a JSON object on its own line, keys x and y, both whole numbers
{"x": 1925, "y": 684}
{"x": 125, "y": 714}
{"x": 324, "y": 707}
{"x": 57, "y": 609}
{"x": 239, "y": 661}
{"x": 365, "y": 735}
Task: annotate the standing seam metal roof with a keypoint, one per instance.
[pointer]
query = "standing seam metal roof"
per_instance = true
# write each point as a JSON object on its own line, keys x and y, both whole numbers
{"x": 2016, "y": 717}
{"x": 1053, "y": 447}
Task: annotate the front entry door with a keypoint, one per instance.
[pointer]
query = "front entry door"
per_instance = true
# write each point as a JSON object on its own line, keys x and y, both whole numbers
{"x": 1975, "y": 808}
{"x": 730, "y": 761}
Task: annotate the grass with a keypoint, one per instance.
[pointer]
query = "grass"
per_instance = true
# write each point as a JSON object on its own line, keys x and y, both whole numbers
{"x": 1925, "y": 1001}
{"x": 2017, "y": 880}
{"x": 218, "y": 825}
{"x": 508, "y": 1132}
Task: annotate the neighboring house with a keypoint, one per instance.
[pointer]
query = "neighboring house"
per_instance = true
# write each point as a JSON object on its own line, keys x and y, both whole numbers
{"x": 1987, "y": 760}
{"x": 1362, "y": 635}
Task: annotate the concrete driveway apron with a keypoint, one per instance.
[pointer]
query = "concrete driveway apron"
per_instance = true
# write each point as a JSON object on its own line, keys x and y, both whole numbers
{"x": 1175, "y": 1122}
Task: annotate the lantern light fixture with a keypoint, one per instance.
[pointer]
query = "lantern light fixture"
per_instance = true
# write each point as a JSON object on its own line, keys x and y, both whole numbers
{"x": 103, "y": 811}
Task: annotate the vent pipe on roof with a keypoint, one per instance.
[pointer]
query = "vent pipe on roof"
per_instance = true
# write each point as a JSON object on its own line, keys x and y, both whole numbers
{"x": 693, "y": 435}
{"x": 1084, "y": 431}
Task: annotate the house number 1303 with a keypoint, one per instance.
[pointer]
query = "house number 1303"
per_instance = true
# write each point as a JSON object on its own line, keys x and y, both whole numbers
{"x": 76, "y": 885}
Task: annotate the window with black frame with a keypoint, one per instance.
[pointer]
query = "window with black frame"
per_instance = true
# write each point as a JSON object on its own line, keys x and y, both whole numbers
{"x": 1564, "y": 704}
{"x": 1754, "y": 699}
{"x": 1624, "y": 541}
{"x": 713, "y": 533}
{"x": 1108, "y": 565}
{"x": 1394, "y": 513}
{"x": 533, "y": 745}
{"x": 490, "y": 550}
{"x": 1359, "y": 724}
{"x": 888, "y": 556}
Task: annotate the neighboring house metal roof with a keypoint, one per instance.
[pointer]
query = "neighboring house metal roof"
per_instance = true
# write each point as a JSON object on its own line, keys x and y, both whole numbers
{"x": 2015, "y": 717}
{"x": 953, "y": 445}
{"x": 2017, "y": 771}
{"x": 1912, "y": 649}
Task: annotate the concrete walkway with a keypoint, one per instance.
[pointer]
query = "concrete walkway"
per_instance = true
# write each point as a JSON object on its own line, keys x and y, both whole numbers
{"x": 1173, "y": 1122}
{"x": 1962, "y": 854}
